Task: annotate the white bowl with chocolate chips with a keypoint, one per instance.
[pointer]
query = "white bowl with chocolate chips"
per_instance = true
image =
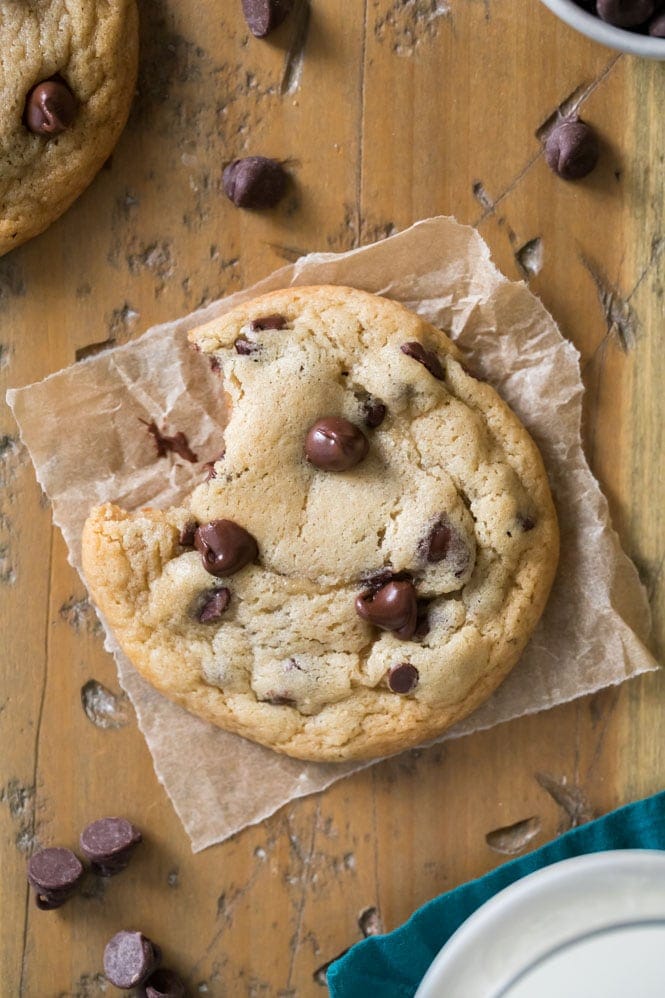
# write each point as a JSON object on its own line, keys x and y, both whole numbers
{"x": 633, "y": 26}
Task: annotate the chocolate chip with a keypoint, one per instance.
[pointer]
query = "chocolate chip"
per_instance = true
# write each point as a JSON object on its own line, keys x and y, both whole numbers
{"x": 625, "y": 13}
{"x": 375, "y": 413}
{"x": 215, "y": 602}
{"x": 373, "y": 581}
{"x": 445, "y": 543}
{"x": 526, "y": 522}
{"x": 176, "y": 444}
{"x": 335, "y": 444}
{"x": 129, "y": 958}
{"x": 54, "y": 875}
{"x": 422, "y": 621}
{"x": 50, "y": 108}
{"x": 255, "y": 182}
{"x": 225, "y": 547}
{"x": 186, "y": 538}
{"x": 392, "y": 607}
{"x": 162, "y": 983}
{"x": 425, "y": 357}
{"x": 403, "y": 678}
{"x": 245, "y": 347}
{"x": 263, "y": 16}
{"x": 109, "y": 843}
{"x": 572, "y": 149}
{"x": 657, "y": 26}
{"x": 267, "y": 322}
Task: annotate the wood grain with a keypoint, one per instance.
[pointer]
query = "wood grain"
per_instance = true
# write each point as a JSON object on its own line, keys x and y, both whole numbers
{"x": 385, "y": 112}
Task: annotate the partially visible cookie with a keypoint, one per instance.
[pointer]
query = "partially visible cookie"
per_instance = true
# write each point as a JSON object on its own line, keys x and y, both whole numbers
{"x": 67, "y": 78}
{"x": 373, "y": 550}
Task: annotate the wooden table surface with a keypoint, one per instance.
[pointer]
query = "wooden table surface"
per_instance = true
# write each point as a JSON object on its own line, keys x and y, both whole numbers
{"x": 387, "y": 111}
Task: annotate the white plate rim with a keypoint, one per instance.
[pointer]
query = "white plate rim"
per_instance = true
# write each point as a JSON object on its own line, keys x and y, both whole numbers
{"x": 593, "y": 876}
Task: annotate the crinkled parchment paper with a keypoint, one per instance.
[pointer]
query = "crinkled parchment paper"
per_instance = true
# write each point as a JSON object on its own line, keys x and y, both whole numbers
{"x": 82, "y": 429}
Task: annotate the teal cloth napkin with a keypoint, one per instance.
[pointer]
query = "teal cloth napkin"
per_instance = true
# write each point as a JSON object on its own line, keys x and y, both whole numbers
{"x": 392, "y": 966}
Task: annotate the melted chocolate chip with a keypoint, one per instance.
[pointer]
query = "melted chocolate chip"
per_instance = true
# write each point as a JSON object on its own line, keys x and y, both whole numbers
{"x": 129, "y": 958}
{"x": 526, "y": 522}
{"x": 572, "y": 149}
{"x": 255, "y": 182}
{"x": 403, "y": 678}
{"x": 422, "y": 621}
{"x": 375, "y": 412}
{"x": 437, "y": 542}
{"x": 335, "y": 444}
{"x": 445, "y": 543}
{"x": 375, "y": 580}
{"x": 425, "y": 357}
{"x": 267, "y": 322}
{"x": 109, "y": 843}
{"x": 225, "y": 547}
{"x": 162, "y": 983}
{"x": 263, "y": 16}
{"x": 392, "y": 607}
{"x": 186, "y": 538}
{"x": 245, "y": 347}
{"x": 215, "y": 603}
{"x": 50, "y": 108}
{"x": 54, "y": 874}
{"x": 177, "y": 444}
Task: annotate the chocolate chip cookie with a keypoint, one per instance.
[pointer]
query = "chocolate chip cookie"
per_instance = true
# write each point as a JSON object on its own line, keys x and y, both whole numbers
{"x": 67, "y": 79}
{"x": 366, "y": 561}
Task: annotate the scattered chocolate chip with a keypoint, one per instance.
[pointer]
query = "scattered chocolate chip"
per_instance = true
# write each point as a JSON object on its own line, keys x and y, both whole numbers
{"x": 657, "y": 26}
{"x": 186, "y": 538}
{"x": 572, "y": 149}
{"x": 177, "y": 444}
{"x": 225, "y": 547}
{"x": 375, "y": 413}
{"x": 109, "y": 843}
{"x": 403, "y": 678}
{"x": 129, "y": 958}
{"x": 245, "y": 347}
{"x": 215, "y": 364}
{"x": 445, "y": 543}
{"x": 162, "y": 983}
{"x": 393, "y": 607}
{"x": 526, "y": 522}
{"x": 263, "y": 16}
{"x": 625, "y": 13}
{"x": 335, "y": 444}
{"x": 425, "y": 357}
{"x": 255, "y": 182}
{"x": 267, "y": 322}
{"x": 215, "y": 602}
{"x": 50, "y": 108}
{"x": 54, "y": 874}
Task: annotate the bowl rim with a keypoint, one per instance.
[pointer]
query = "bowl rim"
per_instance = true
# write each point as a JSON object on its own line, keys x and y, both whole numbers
{"x": 580, "y": 894}
{"x": 607, "y": 34}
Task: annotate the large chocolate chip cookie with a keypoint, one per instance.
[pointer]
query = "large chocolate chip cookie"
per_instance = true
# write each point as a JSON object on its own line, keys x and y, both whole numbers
{"x": 371, "y": 553}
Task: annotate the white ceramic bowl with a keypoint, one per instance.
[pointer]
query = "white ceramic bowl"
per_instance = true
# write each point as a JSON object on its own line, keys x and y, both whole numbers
{"x": 607, "y": 34}
{"x": 589, "y": 927}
